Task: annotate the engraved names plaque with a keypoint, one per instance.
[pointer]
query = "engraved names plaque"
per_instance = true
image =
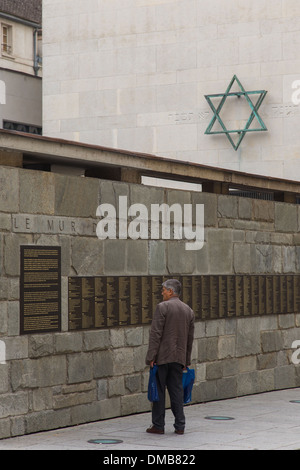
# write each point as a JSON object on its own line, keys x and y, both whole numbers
{"x": 40, "y": 289}
{"x": 205, "y": 297}
{"x": 247, "y": 296}
{"x": 223, "y": 309}
{"x": 135, "y": 301}
{"x": 88, "y": 302}
{"x": 101, "y": 302}
{"x": 255, "y": 295}
{"x": 75, "y": 296}
{"x": 231, "y": 298}
{"x": 124, "y": 301}
{"x": 146, "y": 292}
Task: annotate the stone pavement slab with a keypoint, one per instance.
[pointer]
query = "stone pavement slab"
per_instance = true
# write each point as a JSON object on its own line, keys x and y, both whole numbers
{"x": 267, "y": 421}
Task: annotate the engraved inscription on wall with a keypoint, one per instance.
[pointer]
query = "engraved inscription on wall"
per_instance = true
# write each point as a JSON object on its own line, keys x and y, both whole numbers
{"x": 102, "y": 302}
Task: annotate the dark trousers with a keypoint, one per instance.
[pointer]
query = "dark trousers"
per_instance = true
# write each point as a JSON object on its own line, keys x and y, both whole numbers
{"x": 169, "y": 376}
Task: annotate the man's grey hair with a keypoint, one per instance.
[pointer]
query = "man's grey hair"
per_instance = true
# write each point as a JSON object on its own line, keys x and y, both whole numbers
{"x": 173, "y": 284}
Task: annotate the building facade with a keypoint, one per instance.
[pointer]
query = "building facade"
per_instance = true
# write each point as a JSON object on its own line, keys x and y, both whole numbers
{"x": 133, "y": 74}
{"x": 21, "y": 66}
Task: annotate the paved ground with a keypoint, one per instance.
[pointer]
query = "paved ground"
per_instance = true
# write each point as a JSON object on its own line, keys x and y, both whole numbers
{"x": 264, "y": 422}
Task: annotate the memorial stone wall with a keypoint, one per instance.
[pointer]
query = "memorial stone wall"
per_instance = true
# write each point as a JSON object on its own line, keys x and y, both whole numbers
{"x": 75, "y": 311}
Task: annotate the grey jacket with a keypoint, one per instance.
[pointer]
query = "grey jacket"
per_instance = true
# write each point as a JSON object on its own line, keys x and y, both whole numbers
{"x": 172, "y": 333}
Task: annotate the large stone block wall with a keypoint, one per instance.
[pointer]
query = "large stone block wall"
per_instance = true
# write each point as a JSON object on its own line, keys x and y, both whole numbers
{"x": 59, "y": 379}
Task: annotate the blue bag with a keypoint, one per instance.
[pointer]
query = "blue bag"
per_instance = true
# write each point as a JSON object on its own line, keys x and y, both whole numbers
{"x": 188, "y": 379}
{"x": 152, "y": 387}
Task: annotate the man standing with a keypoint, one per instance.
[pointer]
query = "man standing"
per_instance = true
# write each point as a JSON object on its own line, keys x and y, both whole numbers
{"x": 170, "y": 346}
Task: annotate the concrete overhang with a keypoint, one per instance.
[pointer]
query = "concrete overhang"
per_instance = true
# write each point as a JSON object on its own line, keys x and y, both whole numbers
{"x": 97, "y": 158}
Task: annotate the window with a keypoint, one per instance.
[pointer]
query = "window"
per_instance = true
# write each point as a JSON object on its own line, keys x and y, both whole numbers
{"x": 21, "y": 127}
{"x": 6, "y": 39}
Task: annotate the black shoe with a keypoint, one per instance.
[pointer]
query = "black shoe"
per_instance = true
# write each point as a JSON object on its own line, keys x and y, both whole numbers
{"x": 154, "y": 430}
{"x": 179, "y": 431}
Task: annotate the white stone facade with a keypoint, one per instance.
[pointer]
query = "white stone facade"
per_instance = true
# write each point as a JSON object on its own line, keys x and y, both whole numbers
{"x": 132, "y": 74}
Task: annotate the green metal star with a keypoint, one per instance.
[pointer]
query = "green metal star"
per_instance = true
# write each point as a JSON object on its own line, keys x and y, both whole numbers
{"x": 254, "y": 113}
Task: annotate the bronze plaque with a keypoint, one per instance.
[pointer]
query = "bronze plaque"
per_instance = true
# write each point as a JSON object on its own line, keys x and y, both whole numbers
{"x": 100, "y": 302}
{"x": 290, "y": 294}
{"x": 112, "y": 306}
{"x": 239, "y": 296}
{"x": 205, "y": 297}
{"x": 255, "y": 295}
{"x": 276, "y": 295}
{"x": 196, "y": 290}
{"x": 40, "y": 289}
{"x": 136, "y": 293}
{"x": 247, "y": 296}
{"x": 187, "y": 290}
{"x": 146, "y": 301}
{"x": 110, "y": 301}
{"x": 269, "y": 295}
{"x": 297, "y": 293}
{"x": 214, "y": 296}
{"x": 88, "y": 302}
{"x": 124, "y": 301}
{"x": 156, "y": 290}
{"x": 75, "y": 296}
{"x": 223, "y": 306}
{"x": 231, "y": 297}
{"x": 283, "y": 294}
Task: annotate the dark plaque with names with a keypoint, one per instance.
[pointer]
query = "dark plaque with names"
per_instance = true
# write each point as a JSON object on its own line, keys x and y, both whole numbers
{"x": 214, "y": 296}
{"x": 297, "y": 293}
{"x": 135, "y": 300}
{"x": 124, "y": 301}
{"x": 75, "y": 302}
{"x": 276, "y": 295}
{"x": 262, "y": 295}
{"x": 156, "y": 290}
{"x": 223, "y": 306}
{"x": 187, "y": 290}
{"x": 113, "y": 301}
{"x": 231, "y": 297}
{"x": 239, "y": 295}
{"x": 247, "y": 296}
{"x": 283, "y": 293}
{"x": 205, "y": 294}
{"x": 40, "y": 289}
{"x": 100, "y": 302}
{"x": 196, "y": 289}
{"x": 269, "y": 295}
{"x": 290, "y": 294}
{"x": 146, "y": 301}
{"x": 88, "y": 302}
{"x": 255, "y": 295}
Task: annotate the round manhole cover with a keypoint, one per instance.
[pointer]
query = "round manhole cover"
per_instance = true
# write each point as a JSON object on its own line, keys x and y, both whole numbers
{"x": 105, "y": 441}
{"x": 219, "y": 418}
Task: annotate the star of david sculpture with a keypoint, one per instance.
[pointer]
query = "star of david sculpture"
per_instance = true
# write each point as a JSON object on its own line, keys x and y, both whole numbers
{"x": 253, "y": 107}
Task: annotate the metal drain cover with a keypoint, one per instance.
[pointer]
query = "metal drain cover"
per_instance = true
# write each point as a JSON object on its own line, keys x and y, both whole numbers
{"x": 219, "y": 418}
{"x": 105, "y": 441}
